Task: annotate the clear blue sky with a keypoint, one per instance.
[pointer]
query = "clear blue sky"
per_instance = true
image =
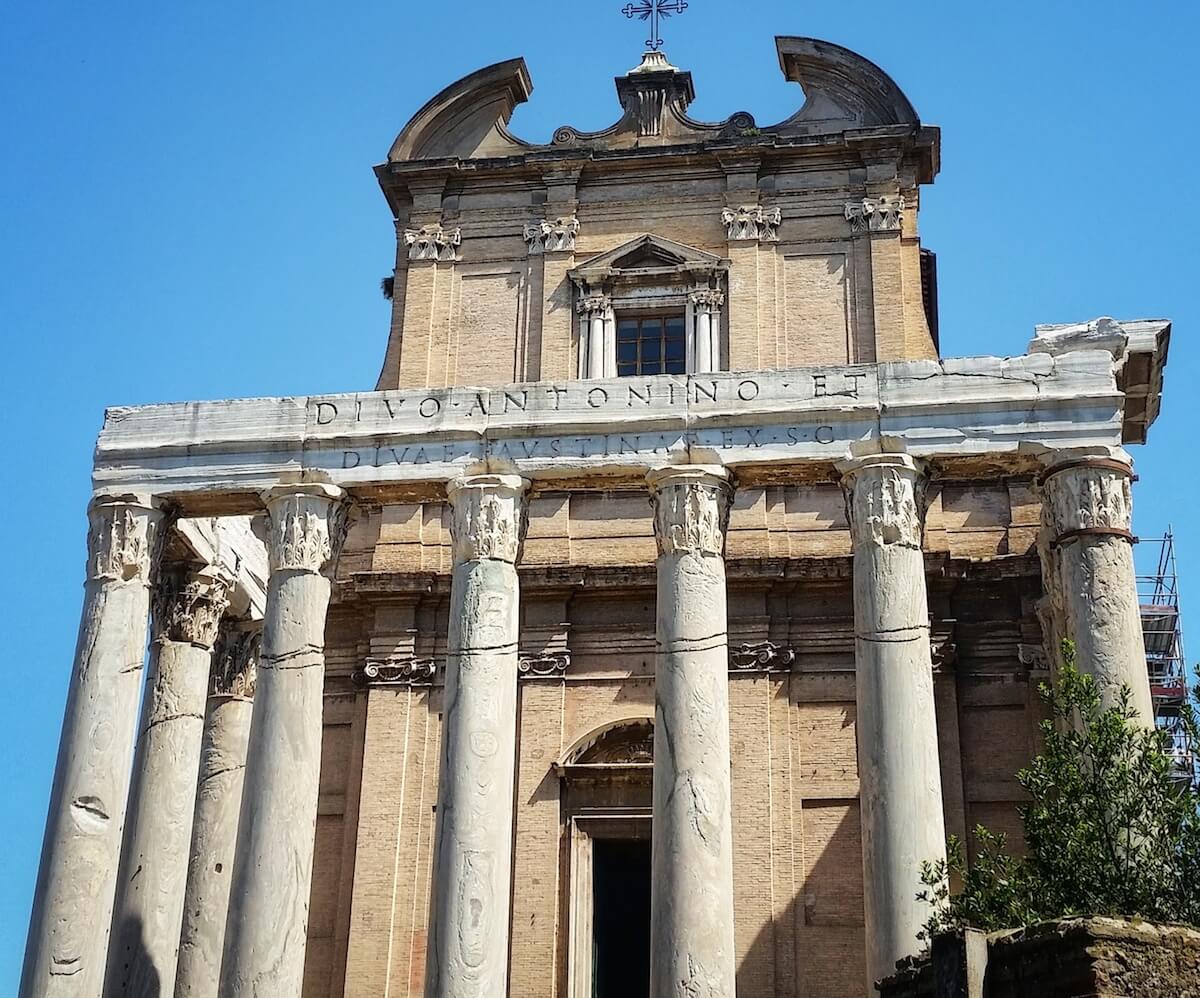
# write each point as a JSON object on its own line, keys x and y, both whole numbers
{"x": 187, "y": 211}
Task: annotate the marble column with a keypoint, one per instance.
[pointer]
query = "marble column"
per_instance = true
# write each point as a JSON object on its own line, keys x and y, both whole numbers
{"x": 188, "y": 603}
{"x": 266, "y": 932}
{"x": 218, "y": 801}
{"x": 76, "y": 884}
{"x": 467, "y": 953}
{"x": 597, "y": 337}
{"x": 691, "y": 894}
{"x": 900, "y": 790}
{"x": 706, "y": 352}
{"x": 1087, "y": 560}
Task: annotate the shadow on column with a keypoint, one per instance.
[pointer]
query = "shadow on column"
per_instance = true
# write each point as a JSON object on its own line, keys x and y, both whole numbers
{"x": 138, "y": 975}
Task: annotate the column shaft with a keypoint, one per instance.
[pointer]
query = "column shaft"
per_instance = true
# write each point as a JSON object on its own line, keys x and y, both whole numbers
{"x": 1087, "y": 561}
{"x": 900, "y": 790}
{"x": 266, "y": 933}
{"x": 144, "y": 947}
{"x": 73, "y": 899}
{"x": 691, "y": 896}
{"x": 467, "y": 953}
{"x": 218, "y": 802}
{"x": 596, "y": 358}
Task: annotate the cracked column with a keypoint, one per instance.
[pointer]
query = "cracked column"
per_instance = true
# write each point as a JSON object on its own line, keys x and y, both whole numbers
{"x": 467, "y": 952}
{"x": 691, "y": 894}
{"x": 218, "y": 801}
{"x": 189, "y": 601}
{"x": 76, "y": 885}
{"x": 900, "y": 790}
{"x": 1087, "y": 565}
{"x": 266, "y": 933}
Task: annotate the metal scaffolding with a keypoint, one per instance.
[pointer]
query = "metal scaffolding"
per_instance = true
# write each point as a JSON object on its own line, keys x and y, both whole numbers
{"x": 1162, "y": 633}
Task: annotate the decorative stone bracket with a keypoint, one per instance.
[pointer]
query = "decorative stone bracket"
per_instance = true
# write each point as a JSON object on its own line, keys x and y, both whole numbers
{"x": 433, "y": 242}
{"x": 551, "y": 235}
{"x": 396, "y": 672}
{"x": 552, "y": 665}
{"x": 881, "y": 214}
{"x": 760, "y": 656}
{"x": 751, "y": 222}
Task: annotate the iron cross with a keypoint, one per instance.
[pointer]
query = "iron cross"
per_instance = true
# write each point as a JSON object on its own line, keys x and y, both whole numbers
{"x": 654, "y": 10}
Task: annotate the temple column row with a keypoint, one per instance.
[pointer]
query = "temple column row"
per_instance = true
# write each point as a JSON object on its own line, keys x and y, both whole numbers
{"x": 1089, "y": 573}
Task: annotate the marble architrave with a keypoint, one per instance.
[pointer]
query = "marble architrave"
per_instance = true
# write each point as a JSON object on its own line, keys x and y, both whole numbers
{"x": 955, "y": 408}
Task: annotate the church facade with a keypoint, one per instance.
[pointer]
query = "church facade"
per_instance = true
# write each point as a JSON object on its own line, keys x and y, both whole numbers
{"x": 667, "y": 602}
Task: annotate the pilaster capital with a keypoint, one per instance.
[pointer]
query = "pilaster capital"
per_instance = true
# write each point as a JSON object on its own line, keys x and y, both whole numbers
{"x": 555, "y": 235}
{"x": 1087, "y": 491}
{"x": 397, "y": 672}
{"x": 307, "y": 526}
{"x": 590, "y": 304}
{"x": 691, "y": 508}
{"x": 124, "y": 537}
{"x": 707, "y": 299}
{"x": 884, "y": 499}
{"x": 433, "y": 242}
{"x": 876, "y": 214}
{"x": 487, "y": 517}
{"x": 189, "y": 601}
{"x": 234, "y": 669}
{"x": 751, "y": 222}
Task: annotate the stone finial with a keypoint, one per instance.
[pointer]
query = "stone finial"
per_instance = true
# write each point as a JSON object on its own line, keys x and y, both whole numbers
{"x": 307, "y": 526}
{"x": 551, "y": 235}
{"x": 124, "y": 535}
{"x": 751, "y": 222}
{"x": 189, "y": 603}
{"x": 691, "y": 509}
{"x": 234, "y": 670}
{"x": 884, "y": 493}
{"x": 708, "y": 299}
{"x": 488, "y": 516}
{"x": 877, "y": 214}
{"x": 433, "y": 242}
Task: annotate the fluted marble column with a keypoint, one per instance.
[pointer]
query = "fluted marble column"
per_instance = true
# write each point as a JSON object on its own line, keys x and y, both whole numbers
{"x": 467, "y": 954}
{"x": 900, "y": 789}
{"x": 218, "y": 802}
{"x": 266, "y": 933}
{"x": 187, "y": 607}
{"x": 1087, "y": 561}
{"x": 691, "y": 893}
{"x": 73, "y": 899}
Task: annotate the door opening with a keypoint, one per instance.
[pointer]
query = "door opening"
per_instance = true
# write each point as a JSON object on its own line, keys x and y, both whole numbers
{"x": 621, "y": 918}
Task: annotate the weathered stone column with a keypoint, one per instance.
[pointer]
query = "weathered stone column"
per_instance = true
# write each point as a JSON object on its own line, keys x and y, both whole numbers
{"x": 1087, "y": 565}
{"x": 467, "y": 955}
{"x": 218, "y": 802}
{"x": 266, "y": 933}
{"x": 73, "y": 900}
{"x": 691, "y": 894}
{"x": 900, "y": 789}
{"x": 188, "y": 603}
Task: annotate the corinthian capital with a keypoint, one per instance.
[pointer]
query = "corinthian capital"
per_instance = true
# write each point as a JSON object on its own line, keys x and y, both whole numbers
{"x": 189, "y": 602}
{"x": 307, "y": 526}
{"x": 551, "y": 235}
{"x": 879, "y": 214}
{"x": 487, "y": 517}
{"x": 234, "y": 668}
{"x": 691, "y": 509}
{"x": 884, "y": 494}
{"x": 123, "y": 537}
{"x": 707, "y": 299}
{"x": 1087, "y": 492}
{"x": 433, "y": 242}
{"x": 751, "y": 222}
{"x": 587, "y": 304}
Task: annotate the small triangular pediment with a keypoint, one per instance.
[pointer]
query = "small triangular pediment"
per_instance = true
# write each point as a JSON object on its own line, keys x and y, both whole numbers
{"x": 648, "y": 254}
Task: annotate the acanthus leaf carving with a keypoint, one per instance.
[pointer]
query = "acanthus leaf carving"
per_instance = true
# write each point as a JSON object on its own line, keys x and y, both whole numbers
{"x": 876, "y": 214}
{"x": 234, "y": 670}
{"x": 883, "y": 502}
{"x": 123, "y": 539}
{"x": 751, "y": 223}
{"x": 487, "y": 517}
{"x": 189, "y": 604}
{"x": 691, "y": 511}
{"x": 707, "y": 299}
{"x": 433, "y": 242}
{"x": 551, "y": 235}
{"x": 307, "y": 527}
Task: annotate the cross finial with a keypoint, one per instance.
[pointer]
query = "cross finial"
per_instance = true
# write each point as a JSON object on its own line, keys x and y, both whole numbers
{"x": 654, "y": 11}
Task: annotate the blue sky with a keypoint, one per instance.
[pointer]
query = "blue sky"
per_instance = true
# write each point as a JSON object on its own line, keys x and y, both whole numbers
{"x": 187, "y": 211}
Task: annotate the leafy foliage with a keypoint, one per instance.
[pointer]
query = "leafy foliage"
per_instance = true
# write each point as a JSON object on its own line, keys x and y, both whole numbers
{"x": 1109, "y": 827}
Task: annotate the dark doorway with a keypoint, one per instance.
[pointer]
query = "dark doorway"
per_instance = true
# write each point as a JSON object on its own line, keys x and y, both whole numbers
{"x": 621, "y": 918}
